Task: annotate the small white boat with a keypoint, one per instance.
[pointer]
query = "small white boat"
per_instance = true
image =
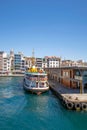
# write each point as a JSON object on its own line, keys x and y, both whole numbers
{"x": 35, "y": 81}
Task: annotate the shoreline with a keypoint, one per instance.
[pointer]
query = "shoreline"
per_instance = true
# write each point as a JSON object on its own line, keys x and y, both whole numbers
{"x": 13, "y": 75}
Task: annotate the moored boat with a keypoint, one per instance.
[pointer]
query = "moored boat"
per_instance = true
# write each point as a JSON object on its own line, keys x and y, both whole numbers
{"x": 35, "y": 80}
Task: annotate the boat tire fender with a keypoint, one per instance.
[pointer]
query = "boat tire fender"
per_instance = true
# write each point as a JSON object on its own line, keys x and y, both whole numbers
{"x": 70, "y": 105}
{"x": 84, "y": 106}
{"x": 77, "y": 106}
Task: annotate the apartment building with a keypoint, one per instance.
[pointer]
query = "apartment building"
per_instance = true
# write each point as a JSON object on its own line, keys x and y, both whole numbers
{"x": 28, "y": 62}
{"x": 39, "y": 62}
{"x": 3, "y": 61}
{"x": 44, "y": 63}
{"x": 53, "y": 62}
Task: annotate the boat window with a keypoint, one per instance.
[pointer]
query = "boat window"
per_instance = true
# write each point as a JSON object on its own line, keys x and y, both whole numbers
{"x": 42, "y": 76}
{"x": 35, "y": 75}
{"x": 33, "y": 84}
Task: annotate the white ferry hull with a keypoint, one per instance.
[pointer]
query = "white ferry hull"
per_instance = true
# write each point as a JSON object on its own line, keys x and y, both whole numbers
{"x": 35, "y": 90}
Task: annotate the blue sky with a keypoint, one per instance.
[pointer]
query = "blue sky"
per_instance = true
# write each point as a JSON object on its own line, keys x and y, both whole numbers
{"x": 51, "y": 27}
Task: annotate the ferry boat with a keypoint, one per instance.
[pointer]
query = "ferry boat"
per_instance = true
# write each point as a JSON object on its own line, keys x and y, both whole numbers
{"x": 35, "y": 80}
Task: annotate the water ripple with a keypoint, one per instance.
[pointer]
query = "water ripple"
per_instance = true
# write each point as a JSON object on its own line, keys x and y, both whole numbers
{"x": 24, "y": 111}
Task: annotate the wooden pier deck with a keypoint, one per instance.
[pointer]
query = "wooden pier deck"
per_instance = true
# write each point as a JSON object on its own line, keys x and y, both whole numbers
{"x": 76, "y": 97}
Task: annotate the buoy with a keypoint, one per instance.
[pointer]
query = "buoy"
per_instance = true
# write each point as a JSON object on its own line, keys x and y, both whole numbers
{"x": 40, "y": 71}
{"x": 84, "y": 106}
{"x": 69, "y": 105}
{"x": 77, "y": 106}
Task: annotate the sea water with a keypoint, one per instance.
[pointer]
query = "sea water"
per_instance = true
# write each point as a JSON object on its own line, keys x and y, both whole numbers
{"x": 25, "y": 111}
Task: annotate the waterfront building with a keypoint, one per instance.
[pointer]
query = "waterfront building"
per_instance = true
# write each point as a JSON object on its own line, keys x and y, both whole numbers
{"x": 19, "y": 61}
{"x": 2, "y": 55}
{"x": 44, "y": 63}
{"x": 9, "y": 61}
{"x": 12, "y": 59}
{"x": 72, "y": 77}
{"x": 66, "y": 63}
{"x": 69, "y": 63}
{"x": 85, "y": 64}
{"x": 39, "y": 62}
{"x": 80, "y": 63}
{"x": 5, "y": 64}
{"x": 23, "y": 64}
{"x": 3, "y": 61}
{"x": 28, "y": 62}
{"x": 53, "y": 62}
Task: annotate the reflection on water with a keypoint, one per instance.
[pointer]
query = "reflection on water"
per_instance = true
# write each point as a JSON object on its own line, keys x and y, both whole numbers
{"x": 24, "y": 111}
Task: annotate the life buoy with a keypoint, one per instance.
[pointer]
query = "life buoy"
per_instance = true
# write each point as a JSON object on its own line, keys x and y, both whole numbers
{"x": 84, "y": 106}
{"x": 77, "y": 106}
{"x": 69, "y": 105}
{"x": 41, "y": 71}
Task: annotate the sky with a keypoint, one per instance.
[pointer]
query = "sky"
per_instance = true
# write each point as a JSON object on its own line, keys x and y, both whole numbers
{"x": 51, "y": 27}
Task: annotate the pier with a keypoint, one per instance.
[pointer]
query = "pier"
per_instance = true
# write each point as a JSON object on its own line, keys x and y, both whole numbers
{"x": 71, "y": 98}
{"x": 70, "y": 85}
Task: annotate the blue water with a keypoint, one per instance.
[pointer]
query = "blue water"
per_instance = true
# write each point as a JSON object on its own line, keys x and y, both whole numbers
{"x": 24, "y": 111}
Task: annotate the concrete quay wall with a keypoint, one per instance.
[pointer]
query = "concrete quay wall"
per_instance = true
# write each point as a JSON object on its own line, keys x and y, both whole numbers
{"x": 13, "y": 75}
